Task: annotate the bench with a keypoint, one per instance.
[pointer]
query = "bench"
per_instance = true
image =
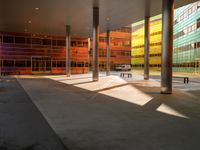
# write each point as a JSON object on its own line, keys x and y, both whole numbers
{"x": 185, "y": 79}
{"x": 124, "y": 74}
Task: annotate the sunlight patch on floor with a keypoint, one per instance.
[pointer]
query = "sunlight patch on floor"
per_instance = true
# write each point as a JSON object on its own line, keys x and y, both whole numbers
{"x": 103, "y": 83}
{"x": 113, "y": 86}
{"x": 128, "y": 93}
{"x": 170, "y": 111}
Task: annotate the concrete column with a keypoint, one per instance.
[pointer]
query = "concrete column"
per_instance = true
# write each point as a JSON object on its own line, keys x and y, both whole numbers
{"x": 146, "y": 49}
{"x": 167, "y": 46}
{"x": 88, "y": 54}
{"x": 95, "y": 43}
{"x": 68, "y": 51}
{"x": 108, "y": 53}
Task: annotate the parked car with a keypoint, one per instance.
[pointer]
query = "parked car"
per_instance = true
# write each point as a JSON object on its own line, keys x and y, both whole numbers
{"x": 123, "y": 68}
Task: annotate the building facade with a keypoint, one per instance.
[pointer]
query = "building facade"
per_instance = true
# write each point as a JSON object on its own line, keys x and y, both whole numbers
{"x": 187, "y": 38}
{"x": 186, "y": 49}
{"x": 137, "y": 52}
{"x": 120, "y": 48}
{"x": 25, "y": 53}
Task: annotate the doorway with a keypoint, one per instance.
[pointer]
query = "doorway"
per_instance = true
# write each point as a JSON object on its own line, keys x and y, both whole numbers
{"x": 41, "y": 64}
{"x": 197, "y": 66}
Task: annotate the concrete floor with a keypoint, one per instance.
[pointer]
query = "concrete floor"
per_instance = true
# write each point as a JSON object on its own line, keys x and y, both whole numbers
{"x": 22, "y": 126}
{"x": 116, "y": 113}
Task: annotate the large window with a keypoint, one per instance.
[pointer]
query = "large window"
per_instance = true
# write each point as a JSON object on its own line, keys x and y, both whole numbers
{"x": 8, "y": 39}
{"x": 61, "y": 64}
{"x": 8, "y": 63}
{"x": 61, "y": 43}
{"x": 20, "y": 40}
{"x": 36, "y": 41}
{"x": 20, "y": 63}
{"x": 0, "y": 39}
{"x": 46, "y": 41}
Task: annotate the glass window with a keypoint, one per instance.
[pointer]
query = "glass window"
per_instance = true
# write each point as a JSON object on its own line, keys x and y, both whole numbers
{"x": 28, "y": 40}
{"x": 60, "y": 63}
{"x": 54, "y": 63}
{"x": 20, "y": 40}
{"x": 189, "y": 29}
{"x": 73, "y": 43}
{"x": 61, "y": 43}
{"x": 181, "y": 17}
{"x": 185, "y": 14}
{"x": 36, "y": 41}
{"x": 46, "y": 41}
{"x": 198, "y": 44}
{"x": 176, "y": 21}
{"x": 20, "y": 63}
{"x": 194, "y": 7}
{"x": 8, "y": 63}
{"x": 193, "y": 27}
{"x": 8, "y": 39}
{"x": 73, "y": 64}
{"x": 190, "y": 11}
{"x": 28, "y": 63}
{"x": 198, "y": 23}
{"x": 54, "y": 42}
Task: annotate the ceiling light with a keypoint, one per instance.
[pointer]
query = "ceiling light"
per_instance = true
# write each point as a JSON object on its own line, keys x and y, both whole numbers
{"x": 107, "y": 19}
{"x": 29, "y": 21}
{"x": 37, "y": 8}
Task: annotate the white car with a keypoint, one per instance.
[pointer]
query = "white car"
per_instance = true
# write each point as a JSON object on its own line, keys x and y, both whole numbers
{"x": 123, "y": 68}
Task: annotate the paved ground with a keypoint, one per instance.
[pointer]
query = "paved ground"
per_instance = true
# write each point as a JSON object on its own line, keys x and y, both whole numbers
{"x": 22, "y": 126}
{"x": 118, "y": 114}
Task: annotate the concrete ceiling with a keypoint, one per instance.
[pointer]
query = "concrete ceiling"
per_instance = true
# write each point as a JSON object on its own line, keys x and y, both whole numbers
{"x": 53, "y": 15}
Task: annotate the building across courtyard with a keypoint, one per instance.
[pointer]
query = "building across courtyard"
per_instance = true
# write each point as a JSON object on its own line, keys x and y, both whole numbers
{"x": 186, "y": 50}
{"x": 30, "y": 53}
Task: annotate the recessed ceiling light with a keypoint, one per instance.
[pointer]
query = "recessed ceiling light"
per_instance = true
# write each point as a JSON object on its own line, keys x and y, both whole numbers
{"x": 107, "y": 19}
{"x": 37, "y": 8}
{"x": 29, "y": 21}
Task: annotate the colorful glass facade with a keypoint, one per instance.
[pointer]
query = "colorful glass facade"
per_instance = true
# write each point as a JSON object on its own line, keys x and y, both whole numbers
{"x": 187, "y": 38}
{"x": 137, "y": 60}
{"x": 25, "y": 53}
{"x": 120, "y": 48}
{"x": 186, "y": 53}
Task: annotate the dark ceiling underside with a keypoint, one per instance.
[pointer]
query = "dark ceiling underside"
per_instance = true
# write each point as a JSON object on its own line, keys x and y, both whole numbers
{"x": 53, "y": 15}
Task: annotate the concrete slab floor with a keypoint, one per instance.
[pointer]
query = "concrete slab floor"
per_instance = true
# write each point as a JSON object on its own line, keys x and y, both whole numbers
{"x": 22, "y": 126}
{"x": 116, "y": 113}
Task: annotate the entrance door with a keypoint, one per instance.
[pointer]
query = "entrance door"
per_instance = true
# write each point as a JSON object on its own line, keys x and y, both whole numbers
{"x": 41, "y": 64}
{"x": 197, "y": 66}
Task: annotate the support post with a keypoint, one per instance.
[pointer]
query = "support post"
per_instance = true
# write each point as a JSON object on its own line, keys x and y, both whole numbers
{"x": 95, "y": 43}
{"x": 88, "y": 54}
{"x": 68, "y": 51}
{"x": 167, "y": 46}
{"x": 146, "y": 50}
{"x": 108, "y": 53}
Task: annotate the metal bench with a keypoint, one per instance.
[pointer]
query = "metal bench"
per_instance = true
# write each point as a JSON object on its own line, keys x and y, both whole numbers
{"x": 185, "y": 79}
{"x": 129, "y": 75}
